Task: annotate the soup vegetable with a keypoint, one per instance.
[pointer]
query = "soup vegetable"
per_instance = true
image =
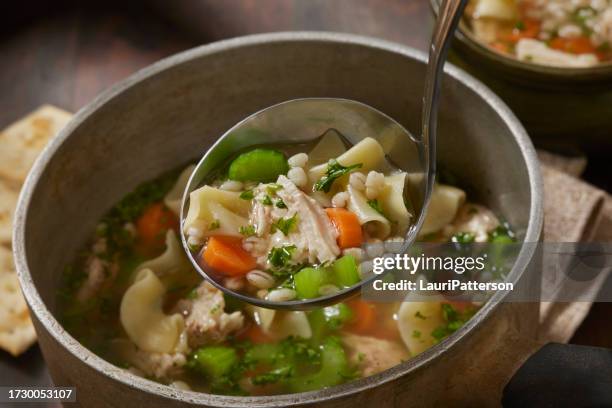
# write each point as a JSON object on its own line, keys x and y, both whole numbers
{"x": 566, "y": 33}
{"x": 133, "y": 297}
{"x": 294, "y": 228}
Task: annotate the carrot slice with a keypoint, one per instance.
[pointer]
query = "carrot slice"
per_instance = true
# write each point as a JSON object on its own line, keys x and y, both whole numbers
{"x": 530, "y": 29}
{"x": 226, "y": 255}
{"x": 578, "y": 45}
{"x": 152, "y": 225}
{"x": 255, "y": 335}
{"x": 364, "y": 316}
{"x": 348, "y": 227}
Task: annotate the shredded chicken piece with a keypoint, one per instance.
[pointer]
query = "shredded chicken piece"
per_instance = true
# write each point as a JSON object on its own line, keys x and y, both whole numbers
{"x": 158, "y": 365}
{"x": 100, "y": 273}
{"x": 476, "y": 219}
{"x": 317, "y": 233}
{"x": 207, "y": 322}
{"x": 372, "y": 355}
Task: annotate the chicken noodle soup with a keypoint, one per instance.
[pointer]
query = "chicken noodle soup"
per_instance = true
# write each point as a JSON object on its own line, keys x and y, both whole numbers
{"x": 133, "y": 297}
{"x": 566, "y": 33}
{"x": 286, "y": 228}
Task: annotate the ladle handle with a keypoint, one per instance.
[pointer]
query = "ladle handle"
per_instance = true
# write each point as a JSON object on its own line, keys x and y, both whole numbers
{"x": 449, "y": 14}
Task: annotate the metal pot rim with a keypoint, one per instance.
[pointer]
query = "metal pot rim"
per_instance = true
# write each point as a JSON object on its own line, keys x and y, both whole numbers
{"x": 54, "y": 328}
{"x": 571, "y": 74}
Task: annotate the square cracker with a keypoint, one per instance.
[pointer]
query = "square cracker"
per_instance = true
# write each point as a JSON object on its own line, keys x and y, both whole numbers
{"x": 23, "y": 140}
{"x": 8, "y": 201}
{"x": 16, "y": 330}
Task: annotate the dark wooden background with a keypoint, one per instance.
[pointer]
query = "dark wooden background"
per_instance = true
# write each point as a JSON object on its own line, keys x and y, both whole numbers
{"x": 65, "y": 53}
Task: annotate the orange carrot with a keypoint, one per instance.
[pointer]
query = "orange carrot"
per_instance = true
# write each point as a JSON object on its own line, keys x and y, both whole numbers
{"x": 152, "y": 225}
{"x": 255, "y": 335}
{"x": 578, "y": 45}
{"x": 364, "y": 316}
{"x": 347, "y": 225}
{"x": 226, "y": 255}
{"x": 530, "y": 29}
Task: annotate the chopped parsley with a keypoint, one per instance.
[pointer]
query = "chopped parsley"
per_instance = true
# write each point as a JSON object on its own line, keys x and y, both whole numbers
{"x": 419, "y": 315}
{"x": 247, "y": 231}
{"x": 453, "y": 321}
{"x": 333, "y": 172}
{"x": 280, "y": 256}
{"x": 520, "y": 25}
{"x": 285, "y": 225}
{"x": 416, "y": 334}
{"x": 273, "y": 188}
{"x": 247, "y": 195}
{"x": 280, "y": 204}
{"x": 273, "y": 376}
{"x": 214, "y": 225}
{"x": 375, "y": 204}
{"x": 266, "y": 200}
{"x": 463, "y": 238}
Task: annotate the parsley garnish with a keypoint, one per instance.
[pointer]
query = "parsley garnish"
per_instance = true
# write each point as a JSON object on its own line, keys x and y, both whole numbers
{"x": 285, "y": 225}
{"x": 273, "y": 188}
{"x": 247, "y": 231}
{"x": 376, "y": 206}
{"x": 247, "y": 195}
{"x": 279, "y": 257}
{"x": 281, "y": 204}
{"x": 416, "y": 334}
{"x": 419, "y": 315}
{"x": 334, "y": 171}
{"x": 214, "y": 225}
{"x": 266, "y": 200}
{"x": 463, "y": 238}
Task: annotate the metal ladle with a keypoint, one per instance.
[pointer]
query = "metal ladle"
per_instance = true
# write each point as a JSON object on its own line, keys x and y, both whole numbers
{"x": 303, "y": 121}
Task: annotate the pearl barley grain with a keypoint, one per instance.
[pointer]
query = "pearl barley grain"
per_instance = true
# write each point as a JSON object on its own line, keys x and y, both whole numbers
{"x": 298, "y": 176}
{"x": 281, "y": 295}
{"x": 298, "y": 160}
{"x": 260, "y": 279}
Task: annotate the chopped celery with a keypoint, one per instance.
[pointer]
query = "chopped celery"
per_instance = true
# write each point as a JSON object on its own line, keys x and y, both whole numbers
{"x": 334, "y": 369}
{"x": 308, "y": 281}
{"x": 263, "y": 165}
{"x": 330, "y": 318}
{"x": 266, "y": 353}
{"x": 213, "y": 361}
{"x": 345, "y": 271}
{"x": 337, "y": 315}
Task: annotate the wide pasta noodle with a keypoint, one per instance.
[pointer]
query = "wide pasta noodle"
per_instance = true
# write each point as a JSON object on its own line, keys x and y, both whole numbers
{"x": 379, "y": 226}
{"x": 173, "y": 199}
{"x": 171, "y": 261}
{"x": 202, "y": 200}
{"x": 443, "y": 207}
{"x": 282, "y": 324}
{"x": 330, "y": 145}
{"x": 368, "y": 152}
{"x": 422, "y": 317}
{"x": 143, "y": 319}
{"x": 393, "y": 204}
{"x": 229, "y": 223}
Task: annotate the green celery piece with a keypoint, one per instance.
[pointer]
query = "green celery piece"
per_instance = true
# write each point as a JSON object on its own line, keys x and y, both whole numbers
{"x": 334, "y": 369}
{"x": 308, "y": 281}
{"x": 345, "y": 271}
{"x": 213, "y": 361}
{"x": 262, "y": 165}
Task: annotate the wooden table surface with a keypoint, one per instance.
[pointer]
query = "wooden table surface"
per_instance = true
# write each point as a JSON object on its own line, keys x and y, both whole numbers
{"x": 66, "y": 54}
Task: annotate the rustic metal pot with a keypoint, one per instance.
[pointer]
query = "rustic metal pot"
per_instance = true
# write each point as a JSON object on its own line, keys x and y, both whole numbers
{"x": 173, "y": 111}
{"x": 561, "y": 108}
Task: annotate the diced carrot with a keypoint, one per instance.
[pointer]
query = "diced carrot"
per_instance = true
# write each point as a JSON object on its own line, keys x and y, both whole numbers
{"x": 501, "y": 47}
{"x": 348, "y": 227}
{"x": 255, "y": 335}
{"x": 152, "y": 225}
{"x": 530, "y": 29}
{"x": 364, "y": 316}
{"x": 226, "y": 255}
{"x": 578, "y": 45}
